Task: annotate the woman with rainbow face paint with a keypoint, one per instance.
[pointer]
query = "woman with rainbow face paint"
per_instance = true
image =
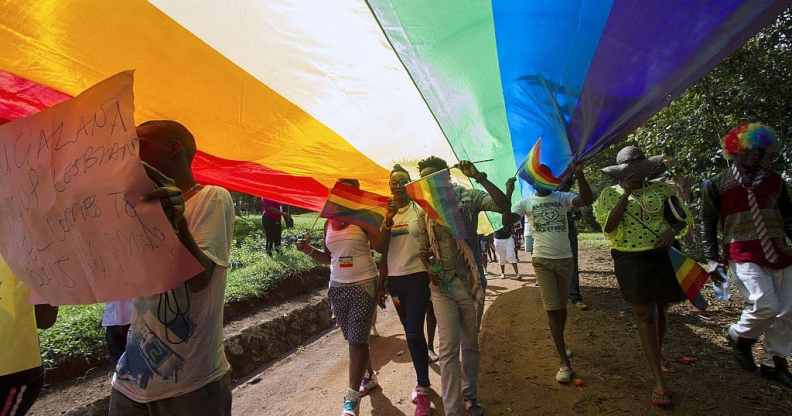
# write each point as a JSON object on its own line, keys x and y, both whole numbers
{"x": 749, "y": 204}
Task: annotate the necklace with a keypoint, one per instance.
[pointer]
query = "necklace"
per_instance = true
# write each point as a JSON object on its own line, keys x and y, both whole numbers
{"x": 644, "y": 204}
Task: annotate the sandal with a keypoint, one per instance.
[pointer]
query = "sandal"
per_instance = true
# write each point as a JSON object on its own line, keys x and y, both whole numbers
{"x": 661, "y": 399}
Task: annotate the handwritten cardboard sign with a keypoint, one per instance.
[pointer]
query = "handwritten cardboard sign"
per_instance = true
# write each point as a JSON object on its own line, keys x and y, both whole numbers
{"x": 72, "y": 223}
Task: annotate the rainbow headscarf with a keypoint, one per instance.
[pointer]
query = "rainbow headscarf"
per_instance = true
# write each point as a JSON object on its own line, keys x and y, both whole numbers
{"x": 748, "y": 136}
{"x": 536, "y": 173}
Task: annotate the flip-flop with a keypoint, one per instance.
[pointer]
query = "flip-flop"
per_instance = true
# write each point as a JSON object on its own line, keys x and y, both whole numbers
{"x": 661, "y": 399}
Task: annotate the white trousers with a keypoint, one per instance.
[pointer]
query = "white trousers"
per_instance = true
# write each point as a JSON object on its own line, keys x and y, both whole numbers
{"x": 768, "y": 307}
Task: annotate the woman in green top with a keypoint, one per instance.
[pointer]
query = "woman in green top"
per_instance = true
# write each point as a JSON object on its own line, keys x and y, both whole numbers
{"x": 640, "y": 220}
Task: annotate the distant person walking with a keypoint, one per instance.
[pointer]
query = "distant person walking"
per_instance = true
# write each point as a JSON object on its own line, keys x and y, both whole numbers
{"x": 271, "y": 215}
{"x": 115, "y": 320}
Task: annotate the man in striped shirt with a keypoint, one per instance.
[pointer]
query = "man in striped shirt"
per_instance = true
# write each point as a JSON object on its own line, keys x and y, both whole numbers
{"x": 750, "y": 204}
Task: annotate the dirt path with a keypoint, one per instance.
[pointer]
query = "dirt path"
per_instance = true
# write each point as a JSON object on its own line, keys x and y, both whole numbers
{"x": 518, "y": 362}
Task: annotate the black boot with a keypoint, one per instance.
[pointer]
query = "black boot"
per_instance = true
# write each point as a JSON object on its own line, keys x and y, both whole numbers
{"x": 780, "y": 373}
{"x": 743, "y": 354}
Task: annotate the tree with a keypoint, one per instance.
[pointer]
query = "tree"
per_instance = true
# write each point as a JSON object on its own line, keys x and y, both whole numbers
{"x": 754, "y": 84}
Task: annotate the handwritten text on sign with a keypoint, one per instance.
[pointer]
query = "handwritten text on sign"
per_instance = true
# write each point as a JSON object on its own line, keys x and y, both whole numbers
{"x": 72, "y": 224}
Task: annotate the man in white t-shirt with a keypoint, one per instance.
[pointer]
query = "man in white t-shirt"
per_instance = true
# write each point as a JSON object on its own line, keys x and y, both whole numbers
{"x": 174, "y": 363}
{"x": 546, "y": 212}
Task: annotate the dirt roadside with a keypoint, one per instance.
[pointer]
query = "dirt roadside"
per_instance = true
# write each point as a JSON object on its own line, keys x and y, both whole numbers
{"x": 518, "y": 361}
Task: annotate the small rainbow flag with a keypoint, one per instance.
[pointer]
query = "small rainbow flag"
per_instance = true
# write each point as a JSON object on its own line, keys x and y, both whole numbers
{"x": 435, "y": 194}
{"x": 354, "y": 206}
{"x": 691, "y": 277}
{"x": 537, "y": 174}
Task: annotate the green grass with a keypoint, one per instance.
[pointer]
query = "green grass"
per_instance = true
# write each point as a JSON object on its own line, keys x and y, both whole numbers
{"x": 78, "y": 332}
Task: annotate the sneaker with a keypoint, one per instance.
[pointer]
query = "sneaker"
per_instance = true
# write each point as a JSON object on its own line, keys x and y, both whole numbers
{"x": 582, "y": 306}
{"x": 433, "y": 356}
{"x": 473, "y": 408}
{"x": 351, "y": 405}
{"x": 420, "y": 397}
{"x": 502, "y": 275}
{"x": 564, "y": 375}
{"x": 368, "y": 384}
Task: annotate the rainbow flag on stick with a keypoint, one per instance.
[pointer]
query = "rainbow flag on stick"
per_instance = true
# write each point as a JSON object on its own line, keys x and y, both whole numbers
{"x": 352, "y": 205}
{"x": 536, "y": 173}
{"x": 691, "y": 277}
{"x": 435, "y": 194}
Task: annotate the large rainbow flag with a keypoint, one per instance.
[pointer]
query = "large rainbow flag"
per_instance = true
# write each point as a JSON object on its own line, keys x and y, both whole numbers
{"x": 691, "y": 277}
{"x": 536, "y": 173}
{"x": 435, "y": 194}
{"x": 284, "y": 97}
{"x": 355, "y": 206}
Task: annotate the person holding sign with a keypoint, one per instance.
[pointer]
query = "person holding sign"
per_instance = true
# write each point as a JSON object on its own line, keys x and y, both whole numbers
{"x": 174, "y": 363}
{"x": 640, "y": 220}
{"x": 21, "y": 373}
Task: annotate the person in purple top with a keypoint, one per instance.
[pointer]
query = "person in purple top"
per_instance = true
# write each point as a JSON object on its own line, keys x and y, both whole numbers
{"x": 271, "y": 214}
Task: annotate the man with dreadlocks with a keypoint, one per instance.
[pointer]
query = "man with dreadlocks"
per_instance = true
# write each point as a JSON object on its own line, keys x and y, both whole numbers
{"x": 750, "y": 204}
{"x": 457, "y": 287}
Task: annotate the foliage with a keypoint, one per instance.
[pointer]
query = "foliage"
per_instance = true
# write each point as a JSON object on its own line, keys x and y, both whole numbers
{"x": 754, "y": 84}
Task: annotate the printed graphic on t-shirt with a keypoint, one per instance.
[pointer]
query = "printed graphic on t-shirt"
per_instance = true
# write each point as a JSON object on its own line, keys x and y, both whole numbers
{"x": 400, "y": 230}
{"x": 346, "y": 262}
{"x": 148, "y": 356}
{"x": 548, "y": 218}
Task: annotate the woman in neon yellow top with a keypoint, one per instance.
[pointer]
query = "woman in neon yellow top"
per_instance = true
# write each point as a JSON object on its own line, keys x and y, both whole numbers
{"x": 640, "y": 220}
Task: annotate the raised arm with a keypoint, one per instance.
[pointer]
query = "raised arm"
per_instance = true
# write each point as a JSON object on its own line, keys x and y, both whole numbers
{"x": 585, "y": 196}
{"x": 617, "y": 213}
{"x": 498, "y": 197}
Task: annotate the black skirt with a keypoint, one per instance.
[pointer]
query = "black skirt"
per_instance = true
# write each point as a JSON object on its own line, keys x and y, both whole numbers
{"x": 647, "y": 277}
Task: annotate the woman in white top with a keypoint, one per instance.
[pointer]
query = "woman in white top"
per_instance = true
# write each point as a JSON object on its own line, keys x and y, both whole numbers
{"x": 352, "y": 296}
{"x": 408, "y": 282}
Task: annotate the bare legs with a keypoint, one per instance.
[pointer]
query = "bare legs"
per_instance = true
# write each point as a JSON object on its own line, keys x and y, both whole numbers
{"x": 359, "y": 362}
{"x": 651, "y": 327}
{"x": 557, "y": 320}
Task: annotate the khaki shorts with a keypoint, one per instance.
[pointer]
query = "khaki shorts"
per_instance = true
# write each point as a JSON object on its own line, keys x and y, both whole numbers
{"x": 553, "y": 277}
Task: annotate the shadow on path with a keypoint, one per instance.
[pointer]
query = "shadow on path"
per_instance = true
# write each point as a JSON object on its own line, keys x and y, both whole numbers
{"x": 519, "y": 363}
